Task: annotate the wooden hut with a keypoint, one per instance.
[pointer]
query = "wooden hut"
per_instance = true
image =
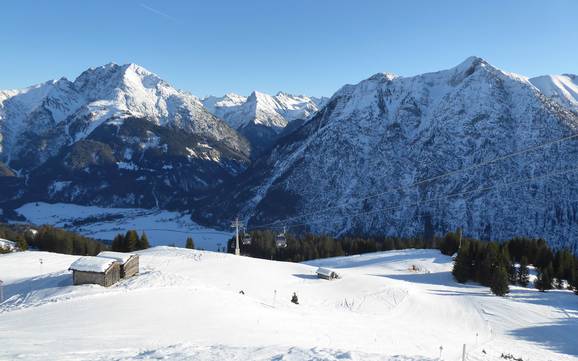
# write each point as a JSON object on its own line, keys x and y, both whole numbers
{"x": 129, "y": 262}
{"x": 95, "y": 270}
{"x": 326, "y": 273}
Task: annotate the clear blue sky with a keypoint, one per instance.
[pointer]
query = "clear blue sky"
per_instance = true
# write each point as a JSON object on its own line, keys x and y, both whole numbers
{"x": 300, "y": 46}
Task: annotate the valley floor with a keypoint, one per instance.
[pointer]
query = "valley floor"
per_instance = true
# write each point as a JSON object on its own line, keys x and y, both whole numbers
{"x": 187, "y": 304}
{"x": 162, "y": 227}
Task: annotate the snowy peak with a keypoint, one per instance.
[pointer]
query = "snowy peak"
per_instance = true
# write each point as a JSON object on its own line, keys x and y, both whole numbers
{"x": 561, "y": 88}
{"x": 259, "y": 108}
{"x": 98, "y": 95}
{"x": 229, "y": 100}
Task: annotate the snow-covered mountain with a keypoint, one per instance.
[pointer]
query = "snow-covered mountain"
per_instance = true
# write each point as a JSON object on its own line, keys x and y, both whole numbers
{"x": 260, "y": 117}
{"x": 116, "y": 135}
{"x": 262, "y": 109}
{"x": 351, "y": 167}
{"x": 36, "y": 122}
{"x": 561, "y": 88}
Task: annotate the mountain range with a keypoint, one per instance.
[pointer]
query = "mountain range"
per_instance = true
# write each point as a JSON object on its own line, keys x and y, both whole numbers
{"x": 121, "y": 136}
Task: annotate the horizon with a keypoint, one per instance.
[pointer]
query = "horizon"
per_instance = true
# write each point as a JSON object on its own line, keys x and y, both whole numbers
{"x": 309, "y": 48}
{"x": 279, "y": 91}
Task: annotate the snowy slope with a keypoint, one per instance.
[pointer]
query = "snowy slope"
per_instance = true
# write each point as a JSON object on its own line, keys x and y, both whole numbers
{"x": 352, "y": 166}
{"x": 186, "y": 305}
{"x": 162, "y": 227}
{"x": 561, "y": 88}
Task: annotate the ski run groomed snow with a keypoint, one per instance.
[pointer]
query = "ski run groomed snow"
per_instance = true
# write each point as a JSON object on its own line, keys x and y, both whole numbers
{"x": 187, "y": 305}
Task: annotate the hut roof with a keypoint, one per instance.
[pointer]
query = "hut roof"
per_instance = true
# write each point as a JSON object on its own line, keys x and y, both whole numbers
{"x": 325, "y": 271}
{"x": 92, "y": 264}
{"x": 118, "y": 256}
{"x": 7, "y": 244}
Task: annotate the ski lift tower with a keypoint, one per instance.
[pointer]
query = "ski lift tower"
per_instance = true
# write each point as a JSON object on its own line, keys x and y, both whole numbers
{"x": 237, "y": 224}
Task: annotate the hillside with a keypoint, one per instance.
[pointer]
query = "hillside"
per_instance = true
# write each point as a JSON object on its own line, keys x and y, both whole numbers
{"x": 186, "y": 305}
{"x": 360, "y": 165}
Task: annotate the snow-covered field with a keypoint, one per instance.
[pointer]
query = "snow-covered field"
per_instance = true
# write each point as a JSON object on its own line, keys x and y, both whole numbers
{"x": 162, "y": 227}
{"x": 187, "y": 304}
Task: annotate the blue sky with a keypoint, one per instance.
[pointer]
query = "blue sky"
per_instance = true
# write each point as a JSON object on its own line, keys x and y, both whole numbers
{"x": 300, "y": 46}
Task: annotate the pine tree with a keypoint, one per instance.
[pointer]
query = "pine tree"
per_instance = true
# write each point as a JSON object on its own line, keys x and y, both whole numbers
{"x": 545, "y": 278}
{"x": 523, "y": 274}
{"x": 512, "y": 273}
{"x": 499, "y": 283}
{"x": 143, "y": 242}
{"x": 22, "y": 244}
{"x": 190, "y": 243}
{"x": 131, "y": 240}
{"x": 117, "y": 243}
{"x": 463, "y": 265}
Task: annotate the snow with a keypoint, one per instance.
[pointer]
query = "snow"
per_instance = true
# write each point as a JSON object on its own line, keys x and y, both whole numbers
{"x": 161, "y": 227}
{"x": 4, "y": 243}
{"x": 561, "y": 88}
{"x": 119, "y": 256}
{"x": 109, "y": 93}
{"x": 92, "y": 264}
{"x": 262, "y": 109}
{"x": 362, "y": 157}
{"x": 186, "y": 304}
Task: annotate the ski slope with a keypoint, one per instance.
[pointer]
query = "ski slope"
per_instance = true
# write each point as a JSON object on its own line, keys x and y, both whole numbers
{"x": 162, "y": 227}
{"x": 187, "y": 304}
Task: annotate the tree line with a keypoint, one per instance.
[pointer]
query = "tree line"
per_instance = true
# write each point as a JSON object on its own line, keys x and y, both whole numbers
{"x": 130, "y": 242}
{"x": 312, "y": 246}
{"x": 51, "y": 239}
{"x": 499, "y": 265}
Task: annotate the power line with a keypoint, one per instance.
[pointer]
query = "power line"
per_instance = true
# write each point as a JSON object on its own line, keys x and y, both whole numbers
{"x": 567, "y": 171}
{"x": 427, "y": 180}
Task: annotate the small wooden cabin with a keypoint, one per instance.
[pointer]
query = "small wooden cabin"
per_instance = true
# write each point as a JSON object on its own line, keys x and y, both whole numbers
{"x": 129, "y": 262}
{"x": 95, "y": 270}
{"x": 326, "y": 273}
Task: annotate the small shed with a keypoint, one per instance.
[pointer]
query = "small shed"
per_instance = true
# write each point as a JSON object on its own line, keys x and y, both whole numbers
{"x": 8, "y": 245}
{"x": 95, "y": 270}
{"x": 129, "y": 262}
{"x": 326, "y": 273}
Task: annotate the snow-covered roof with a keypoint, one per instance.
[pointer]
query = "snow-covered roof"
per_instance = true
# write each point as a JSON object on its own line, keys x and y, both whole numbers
{"x": 118, "y": 256}
{"x": 92, "y": 264}
{"x": 4, "y": 243}
{"x": 325, "y": 271}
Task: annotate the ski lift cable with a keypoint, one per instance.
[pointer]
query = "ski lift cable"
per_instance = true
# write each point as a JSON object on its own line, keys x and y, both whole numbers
{"x": 450, "y": 195}
{"x": 426, "y": 180}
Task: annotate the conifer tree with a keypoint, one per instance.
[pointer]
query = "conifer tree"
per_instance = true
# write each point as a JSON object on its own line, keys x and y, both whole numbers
{"x": 22, "y": 244}
{"x": 499, "y": 283}
{"x": 143, "y": 242}
{"x": 545, "y": 278}
{"x": 117, "y": 243}
{"x": 190, "y": 243}
{"x": 463, "y": 265}
{"x": 131, "y": 240}
{"x": 523, "y": 274}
